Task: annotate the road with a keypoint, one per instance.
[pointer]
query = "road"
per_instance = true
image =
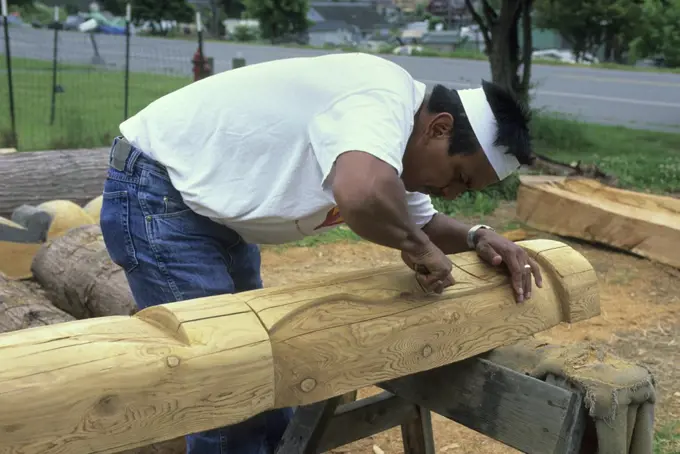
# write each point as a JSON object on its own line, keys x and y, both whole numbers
{"x": 635, "y": 99}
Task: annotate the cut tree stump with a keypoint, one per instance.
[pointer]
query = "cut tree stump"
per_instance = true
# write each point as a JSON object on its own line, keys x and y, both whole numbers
{"x": 199, "y": 364}
{"x": 23, "y": 306}
{"x": 31, "y": 178}
{"x": 645, "y": 224}
{"x": 80, "y": 277}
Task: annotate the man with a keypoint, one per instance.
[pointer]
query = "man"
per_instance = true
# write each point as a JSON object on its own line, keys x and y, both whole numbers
{"x": 274, "y": 152}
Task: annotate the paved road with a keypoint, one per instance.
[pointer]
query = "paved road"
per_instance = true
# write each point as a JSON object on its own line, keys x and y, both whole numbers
{"x": 635, "y": 99}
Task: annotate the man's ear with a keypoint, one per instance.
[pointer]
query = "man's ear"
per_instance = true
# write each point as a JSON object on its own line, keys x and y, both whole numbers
{"x": 441, "y": 126}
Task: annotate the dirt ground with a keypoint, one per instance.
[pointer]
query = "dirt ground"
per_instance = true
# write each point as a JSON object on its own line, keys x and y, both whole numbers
{"x": 640, "y": 321}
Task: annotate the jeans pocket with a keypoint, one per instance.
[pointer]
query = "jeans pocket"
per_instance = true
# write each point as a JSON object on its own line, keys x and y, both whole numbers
{"x": 115, "y": 225}
{"x": 158, "y": 196}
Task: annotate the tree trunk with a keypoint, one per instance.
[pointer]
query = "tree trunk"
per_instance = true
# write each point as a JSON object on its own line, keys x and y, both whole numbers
{"x": 23, "y": 305}
{"x": 80, "y": 277}
{"x": 504, "y": 58}
{"x": 34, "y": 177}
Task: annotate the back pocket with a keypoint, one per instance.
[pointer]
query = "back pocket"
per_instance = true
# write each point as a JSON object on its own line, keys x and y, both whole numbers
{"x": 115, "y": 225}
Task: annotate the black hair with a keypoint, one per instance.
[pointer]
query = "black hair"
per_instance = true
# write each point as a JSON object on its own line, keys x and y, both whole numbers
{"x": 512, "y": 119}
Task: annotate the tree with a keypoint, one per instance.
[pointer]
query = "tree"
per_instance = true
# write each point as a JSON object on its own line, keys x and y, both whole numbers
{"x": 590, "y": 24}
{"x": 579, "y": 22}
{"x": 499, "y": 23}
{"x": 660, "y": 32}
{"x": 279, "y": 18}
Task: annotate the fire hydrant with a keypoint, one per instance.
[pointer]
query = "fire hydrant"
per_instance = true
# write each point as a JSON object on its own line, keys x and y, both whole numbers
{"x": 202, "y": 67}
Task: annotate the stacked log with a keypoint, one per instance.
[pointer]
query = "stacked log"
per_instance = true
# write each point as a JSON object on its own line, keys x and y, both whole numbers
{"x": 35, "y": 177}
{"x": 25, "y": 306}
{"x": 80, "y": 277}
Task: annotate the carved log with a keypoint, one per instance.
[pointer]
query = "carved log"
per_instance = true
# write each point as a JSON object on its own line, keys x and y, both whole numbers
{"x": 644, "y": 224}
{"x": 80, "y": 277}
{"x": 23, "y": 307}
{"x": 112, "y": 383}
{"x": 31, "y": 178}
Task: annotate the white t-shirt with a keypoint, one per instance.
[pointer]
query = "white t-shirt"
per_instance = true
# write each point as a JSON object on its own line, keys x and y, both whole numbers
{"x": 253, "y": 148}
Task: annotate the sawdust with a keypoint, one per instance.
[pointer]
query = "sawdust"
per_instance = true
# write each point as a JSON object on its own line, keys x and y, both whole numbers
{"x": 640, "y": 321}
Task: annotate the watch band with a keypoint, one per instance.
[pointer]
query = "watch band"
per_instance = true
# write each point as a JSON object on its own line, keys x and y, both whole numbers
{"x": 471, "y": 234}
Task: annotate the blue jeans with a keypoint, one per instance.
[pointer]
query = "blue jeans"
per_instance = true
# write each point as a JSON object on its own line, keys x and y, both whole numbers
{"x": 170, "y": 253}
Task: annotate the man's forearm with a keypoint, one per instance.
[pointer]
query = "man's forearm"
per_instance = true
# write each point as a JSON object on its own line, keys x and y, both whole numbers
{"x": 381, "y": 217}
{"x": 374, "y": 207}
{"x": 447, "y": 234}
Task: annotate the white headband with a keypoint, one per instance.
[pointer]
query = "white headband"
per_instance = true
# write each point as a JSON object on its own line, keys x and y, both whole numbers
{"x": 483, "y": 124}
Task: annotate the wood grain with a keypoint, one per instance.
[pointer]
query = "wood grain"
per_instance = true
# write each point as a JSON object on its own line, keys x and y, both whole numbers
{"x": 111, "y": 383}
{"x": 23, "y": 306}
{"x": 644, "y": 224}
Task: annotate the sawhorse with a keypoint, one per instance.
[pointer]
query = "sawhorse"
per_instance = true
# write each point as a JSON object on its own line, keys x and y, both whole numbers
{"x": 530, "y": 415}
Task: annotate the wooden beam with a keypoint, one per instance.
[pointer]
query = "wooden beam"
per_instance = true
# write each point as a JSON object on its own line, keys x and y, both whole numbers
{"x": 366, "y": 417}
{"x": 520, "y": 411}
{"x": 111, "y": 383}
{"x": 644, "y": 224}
{"x": 303, "y": 434}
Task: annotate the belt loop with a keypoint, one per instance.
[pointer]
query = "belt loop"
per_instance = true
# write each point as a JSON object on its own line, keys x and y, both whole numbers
{"x": 132, "y": 159}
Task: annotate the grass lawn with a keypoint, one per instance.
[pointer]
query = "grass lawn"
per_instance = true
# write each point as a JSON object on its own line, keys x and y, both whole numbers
{"x": 87, "y": 112}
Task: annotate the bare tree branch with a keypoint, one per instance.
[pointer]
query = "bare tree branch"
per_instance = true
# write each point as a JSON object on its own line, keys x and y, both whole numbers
{"x": 490, "y": 13}
{"x": 482, "y": 25}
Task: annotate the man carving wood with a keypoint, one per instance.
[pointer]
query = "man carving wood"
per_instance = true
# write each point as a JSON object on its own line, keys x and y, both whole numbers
{"x": 277, "y": 151}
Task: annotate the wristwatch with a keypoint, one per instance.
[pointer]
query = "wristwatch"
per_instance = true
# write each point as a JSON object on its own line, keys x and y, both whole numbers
{"x": 471, "y": 234}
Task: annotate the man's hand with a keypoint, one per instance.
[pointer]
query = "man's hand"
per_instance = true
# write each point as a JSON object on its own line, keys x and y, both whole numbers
{"x": 432, "y": 267}
{"x": 495, "y": 249}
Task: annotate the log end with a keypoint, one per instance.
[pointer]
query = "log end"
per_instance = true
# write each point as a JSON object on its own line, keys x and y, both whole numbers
{"x": 572, "y": 275}
{"x": 65, "y": 216}
{"x": 93, "y": 208}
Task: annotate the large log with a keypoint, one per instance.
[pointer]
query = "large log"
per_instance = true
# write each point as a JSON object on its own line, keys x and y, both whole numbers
{"x": 34, "y": 177}
{"x": 23, "y": 307}
{"x": 644, "y": 224}
{"x": 80, "y": 277}
{"x": 111, "y": 383}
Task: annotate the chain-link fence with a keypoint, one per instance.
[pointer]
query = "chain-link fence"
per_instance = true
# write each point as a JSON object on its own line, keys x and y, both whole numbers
{"x": 72, "y": 89}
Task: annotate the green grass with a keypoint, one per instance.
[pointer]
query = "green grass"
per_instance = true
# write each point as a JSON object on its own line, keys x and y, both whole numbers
{"x": 667, "y": 440}
{"x": 87, "y": 112}
{"x": 642, "y": 160}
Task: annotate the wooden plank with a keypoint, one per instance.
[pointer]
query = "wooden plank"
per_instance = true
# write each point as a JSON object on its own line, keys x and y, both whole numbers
{"x": 525, "y": 413}
{"x": 575, "y": 426}
{"x": 309, "y": 422}
{"x": 644, "y": 224}
{"x": 199, "y": 364}
{"x": 365, "y": 418}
